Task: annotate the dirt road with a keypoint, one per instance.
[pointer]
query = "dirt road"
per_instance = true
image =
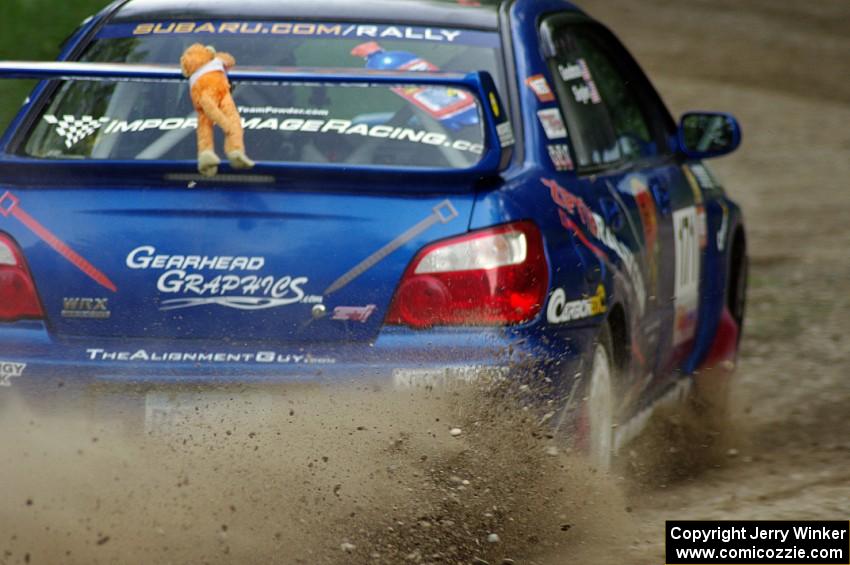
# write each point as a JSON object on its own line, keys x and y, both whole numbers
{"x": 365, "y": 476}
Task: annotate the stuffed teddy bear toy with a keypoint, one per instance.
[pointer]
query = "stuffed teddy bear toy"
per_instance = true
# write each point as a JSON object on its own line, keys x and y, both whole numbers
{"x": 210, "y": 92}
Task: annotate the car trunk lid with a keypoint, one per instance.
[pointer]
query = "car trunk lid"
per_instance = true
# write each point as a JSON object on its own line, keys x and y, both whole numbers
{"x": 238, "y": 265}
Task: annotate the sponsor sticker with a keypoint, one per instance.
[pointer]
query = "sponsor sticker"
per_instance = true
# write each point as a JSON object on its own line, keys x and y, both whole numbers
{"x": 438, "y": 102}
{"x": 407, "y": 378}
{"x": 156, "y": 356}
{"x": 540, "y": 87}
{"x": 570, "y": 71}
{"x": 287, "y": 111}
{"x": 648, "y": 214}
{"x": 203, "y": 29}
{"x": 329, "y": 126}
{"x": 354, "y": 313}
{"x": 10, "y": 370}
{"x": 583, "y": 93}
{"x": 73, "y": 129}
{"x": 91, "y": 308}
{"x": 10, "y": 205}
{"x": 230, "y": 281}
{"x": 560, "y": 311}
{"x": 591, "y": 84}
{"x": 577, "y": 217}
{"x": 553, "y": 123}
{"x": 442, "y": 213}
{"x": 572, "y": 205}
{"x": 705, "y": 178}
{"x": 559, "y": 153}
{"x": 630, "y": 264}
{"x": 649, "y": 221}
{"x": 506, "y": 134}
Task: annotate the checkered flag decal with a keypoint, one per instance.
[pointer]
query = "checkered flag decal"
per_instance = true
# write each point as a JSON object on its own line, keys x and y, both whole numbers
{"x": 73, "y": 129}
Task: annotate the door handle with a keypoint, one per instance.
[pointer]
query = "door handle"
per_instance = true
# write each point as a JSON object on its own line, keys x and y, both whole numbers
{"x": 662, "y": 197}
{"x": 612, "y": 213}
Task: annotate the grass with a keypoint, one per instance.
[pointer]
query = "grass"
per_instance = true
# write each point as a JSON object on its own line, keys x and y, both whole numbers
{"x": 35, "y": 30}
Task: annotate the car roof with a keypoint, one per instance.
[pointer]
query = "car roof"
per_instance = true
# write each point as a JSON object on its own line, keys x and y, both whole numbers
{"x": 481, "y": 14}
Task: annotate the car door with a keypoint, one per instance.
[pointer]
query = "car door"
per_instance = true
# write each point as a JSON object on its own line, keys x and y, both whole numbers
{"x": 619, "y": 132}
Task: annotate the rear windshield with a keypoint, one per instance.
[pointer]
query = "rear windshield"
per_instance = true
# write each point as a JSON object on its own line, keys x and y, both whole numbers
{"x": 376, "y": 125}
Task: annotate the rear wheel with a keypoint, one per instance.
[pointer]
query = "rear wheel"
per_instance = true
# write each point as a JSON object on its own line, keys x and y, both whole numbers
{"x": 600, "y": 405}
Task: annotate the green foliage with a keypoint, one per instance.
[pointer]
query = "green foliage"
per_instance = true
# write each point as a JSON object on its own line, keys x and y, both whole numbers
{"x": 34, "y": 30}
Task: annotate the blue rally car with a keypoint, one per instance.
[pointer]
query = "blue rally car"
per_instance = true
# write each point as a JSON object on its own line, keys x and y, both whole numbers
{"x": 441, "y": 188}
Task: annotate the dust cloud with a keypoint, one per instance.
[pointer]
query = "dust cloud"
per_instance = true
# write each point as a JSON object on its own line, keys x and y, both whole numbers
{"x": 297, "y": 474}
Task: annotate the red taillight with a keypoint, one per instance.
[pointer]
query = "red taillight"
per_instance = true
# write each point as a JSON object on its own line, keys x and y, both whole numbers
{"x": 494, "y": 276}
{"x": 18, "y": 298}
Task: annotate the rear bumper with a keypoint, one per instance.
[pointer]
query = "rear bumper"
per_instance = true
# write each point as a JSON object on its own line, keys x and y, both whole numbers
{"x": 398, "y": 356}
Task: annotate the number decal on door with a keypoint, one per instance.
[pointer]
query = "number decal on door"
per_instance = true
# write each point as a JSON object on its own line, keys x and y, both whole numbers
{"x": 686, "y": 288}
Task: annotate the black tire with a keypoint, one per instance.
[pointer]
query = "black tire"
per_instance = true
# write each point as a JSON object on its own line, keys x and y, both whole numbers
{"x": 737, "y": 292}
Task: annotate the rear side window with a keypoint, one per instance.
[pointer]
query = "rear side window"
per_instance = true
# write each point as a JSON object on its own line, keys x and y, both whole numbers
{"x": 592, "y": 133}
{"x": 608, "y": 124}
{"x": 317, "y": 123}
